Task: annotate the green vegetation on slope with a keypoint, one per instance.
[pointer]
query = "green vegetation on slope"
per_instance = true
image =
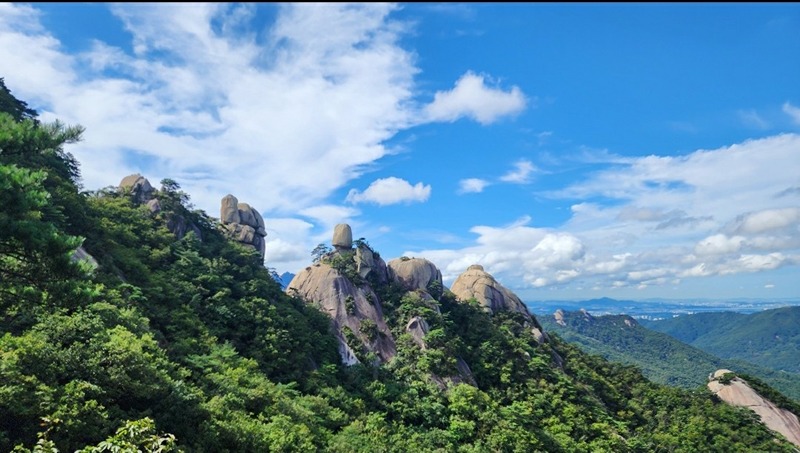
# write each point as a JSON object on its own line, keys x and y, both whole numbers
{"x": 661, "y": 357}
{"x": 770, "y": 338}
{"x": 188, "y": 344}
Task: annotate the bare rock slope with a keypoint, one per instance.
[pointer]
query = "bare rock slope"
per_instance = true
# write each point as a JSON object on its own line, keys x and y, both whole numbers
{"x": 736, "y": 392}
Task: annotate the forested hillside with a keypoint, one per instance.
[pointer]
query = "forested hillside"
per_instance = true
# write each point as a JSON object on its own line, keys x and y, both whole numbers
{"x": 769, "y": 338}
{"x": 180, "y": 339}
{"x": 661, "y": 357}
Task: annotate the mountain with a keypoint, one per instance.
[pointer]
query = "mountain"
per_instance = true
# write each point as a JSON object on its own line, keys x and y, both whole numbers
{"x": 662, "y": 358}
{"x": 769, "y": 338}
{"x": 285, "y": 278}
{"x": 133, "y": 322}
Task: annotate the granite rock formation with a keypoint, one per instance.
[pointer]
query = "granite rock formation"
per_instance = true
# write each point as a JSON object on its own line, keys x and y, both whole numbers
{"x": 478, "y": 284}
{"x": 143, "y": 193}
{"x": 414, "y": 273}
{"x": 138, "y": 186}
{"x": 736, "y": 392}
{"x": 243, "y": 223}
{"x": 355, "y": 309}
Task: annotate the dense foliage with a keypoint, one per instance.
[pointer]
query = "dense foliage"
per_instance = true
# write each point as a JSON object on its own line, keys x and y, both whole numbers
{"x": 769, "y": 338}
{"x": 186, "y": 342}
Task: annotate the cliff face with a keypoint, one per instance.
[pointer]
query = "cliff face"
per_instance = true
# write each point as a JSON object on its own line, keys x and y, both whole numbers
{"x": 736, "y": 392}
{"x": 350, "y": 307}
{"x": 338, "y": 285}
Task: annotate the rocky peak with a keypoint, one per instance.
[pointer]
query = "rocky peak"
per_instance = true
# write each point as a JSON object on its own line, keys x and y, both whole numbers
{"x": 736, "y": 392}
{"x": 414, "y": 273}
{"x": 559, "y": 317}
{"x": 143, "y": 192}
{"x": 243, "y": 223}
{"x": 353, "y": 306}
{"x": 355, "y": 311}
{"x": 138, "y": 186}
{"x": 478, "y": 284}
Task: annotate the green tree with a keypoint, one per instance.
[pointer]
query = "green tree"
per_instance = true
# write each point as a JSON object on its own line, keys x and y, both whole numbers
{"x": 18, "y": 110}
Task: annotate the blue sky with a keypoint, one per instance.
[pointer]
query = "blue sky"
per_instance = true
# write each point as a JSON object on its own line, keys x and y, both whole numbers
{"x": 574, "y": 150}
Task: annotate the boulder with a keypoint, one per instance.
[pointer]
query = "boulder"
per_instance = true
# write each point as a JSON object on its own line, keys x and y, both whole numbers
{"x": 342, "y": 237}
{"x": 138, "y": 186}
{"x": 369, "y": 263}
{"x": 559, "y": 317}
{"x": 478, "y": 284}
{"x": 414, "y": 273}
{"x": 229, "y": 210}
{"x": 243, "y": 223}
{"x": 417, "y": 327}
{"x": 154, "y": 206}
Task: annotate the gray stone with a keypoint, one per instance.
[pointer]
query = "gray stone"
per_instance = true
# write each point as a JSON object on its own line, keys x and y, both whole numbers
{"x": 417, "y": 327}
{"x": 243, "y": 223}
{"x": 229, "y": 211}
{"x": 478, "y": 284}
{"x": 154, "y": 206}
{"x": 414, "y": 273}
{"x": 342, "y": 237}
{"x": 246, "y": 216}
{"x": 347, "y": 305}
{"x": 737, "y": 392}
{"x": 138, "y": 186}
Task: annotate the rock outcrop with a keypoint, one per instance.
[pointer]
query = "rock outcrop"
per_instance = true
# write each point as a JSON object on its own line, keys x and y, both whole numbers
{"x": 350, "y": 307}
{"x": 736, "y": 392}
{"x": 243, "y": 223}
{"x": 559, "y": 317}
{"x": 143, "y": 192}
{"x": 342, "y": 237}
{"x": 354, "y": 309}
{"x": 369, "y": 264}
{"x": 138, "y": 186}
{"x": 478, "y": 284}
{"x": 414, "y": 273}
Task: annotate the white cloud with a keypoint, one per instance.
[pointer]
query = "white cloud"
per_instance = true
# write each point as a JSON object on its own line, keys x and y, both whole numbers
{"x": 766, "y": 220}
{"x": 792, "y": 111}
{"x": 752, "y": 119}
{"x": 719, "y": 244}
{"x": 472, "y": 98}
{"x": 671, "y": 218}
{"x": 225, "y": 108}
{"x": 472, "y": 185}
{"x": 521, "y": 173}
{"x": 390, "y": 190}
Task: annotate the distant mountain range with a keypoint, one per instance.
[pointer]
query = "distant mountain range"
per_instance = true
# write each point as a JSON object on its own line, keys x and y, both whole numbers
{"x": 654, "y": 309}
{"x": 769, "y": 338}
{"x": 285, "y": 279}
{"x": 661, "y": 357}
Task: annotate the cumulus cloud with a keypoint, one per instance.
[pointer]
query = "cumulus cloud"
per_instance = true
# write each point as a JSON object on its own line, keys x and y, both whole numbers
{"x": 521, "y": 173}
{"x": 719, "y": 244}
{"x": 390, "y": 190}
{"x": 792, "y": 111}
{"x": 766, "y": 220}
{"x": 472, "y": 98}
{"x": 472, "y": 185}
{"x": 710, "y": 213}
